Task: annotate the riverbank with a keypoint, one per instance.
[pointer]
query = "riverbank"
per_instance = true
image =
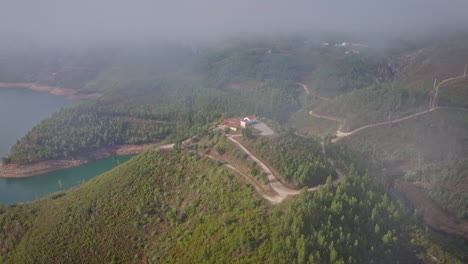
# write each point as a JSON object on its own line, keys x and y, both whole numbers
{"x": 42, "y": 167}
{"x": 71, "y": 94}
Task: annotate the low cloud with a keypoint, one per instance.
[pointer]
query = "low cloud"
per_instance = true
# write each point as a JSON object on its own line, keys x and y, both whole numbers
{"x": 116, "y": 20}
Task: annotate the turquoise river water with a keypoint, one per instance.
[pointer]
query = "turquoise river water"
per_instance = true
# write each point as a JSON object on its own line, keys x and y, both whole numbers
{"x": 20, "y": 110}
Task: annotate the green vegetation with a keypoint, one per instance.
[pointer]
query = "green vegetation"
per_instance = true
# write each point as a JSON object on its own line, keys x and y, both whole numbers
{"x": 236, "y": 65}
{"x": 344, "y": 74}
{"x": 439, "y": 135}
{"x": 160, "y": 207}
{"x": 308, "y": 125}
{"x": 341, "y": 224}
{"x": 297, "y": 159}
{"x": 142, "y": 106}
{"x": 441, "y": 60}
{"x": 454, "y": 94}
{"x": 178, "y": 207}
{"x": 446, "y": 185}
{"x": 71, "y": 131}
{"x": 376, "y": 103}
{"x": 148, "y": 113}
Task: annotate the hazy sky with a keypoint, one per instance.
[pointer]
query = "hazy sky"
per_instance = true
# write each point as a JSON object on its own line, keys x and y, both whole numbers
{"x": 83, "y": 20}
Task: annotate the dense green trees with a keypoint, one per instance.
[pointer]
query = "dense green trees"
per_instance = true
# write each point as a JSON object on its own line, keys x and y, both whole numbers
{"x": 297, "y": 159}
{"x": 150, "y": 110}
{"x": 344, "y": 74}
{"x": 80, "y": 128}
{"x": 350, "y": 223}
{"x": 177, "y": 207}
{"x": 376, "y": 103}
{"x": 248, "y": 61}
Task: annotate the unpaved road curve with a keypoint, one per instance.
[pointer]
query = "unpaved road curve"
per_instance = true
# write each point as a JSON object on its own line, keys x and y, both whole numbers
{"x": 282, "y": 190}
{"x": 328, "y": 117}
{"x": 436, "y": 94}
{"x": 306, "y": 89}
{"x": 340, "y": 134}
{"x": 273, "y": 199}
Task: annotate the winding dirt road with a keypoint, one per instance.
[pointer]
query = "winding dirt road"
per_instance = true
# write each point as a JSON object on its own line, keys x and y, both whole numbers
{"x": 433, "y": 106}
{"x": 436, "y": 94}
{"x": 434, "y": 216}
{"x": 272, "y": 199}
{"x": 275, "y": 184}
{"x": 281, "y": 190}
{"x": 340, "y": 134}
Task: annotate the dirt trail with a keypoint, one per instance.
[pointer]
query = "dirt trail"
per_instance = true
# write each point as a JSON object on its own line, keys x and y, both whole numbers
{"x": 276, "y": 199}
{"x": 276, "y": 184}
{"x": 433, "y": 214}
{"x": 307, "y": 91}
{"x": 433, "y": 106}
{"x": 340, "y": 134}
{"x": 436, "y": 94}
{"x": 282, "y": 190}
{"x": 328, "y": 117}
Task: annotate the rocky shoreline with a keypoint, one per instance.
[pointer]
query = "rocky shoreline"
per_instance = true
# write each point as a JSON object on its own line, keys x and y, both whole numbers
{"x": 37, "y": 168}
{"x": 71, "y": 94}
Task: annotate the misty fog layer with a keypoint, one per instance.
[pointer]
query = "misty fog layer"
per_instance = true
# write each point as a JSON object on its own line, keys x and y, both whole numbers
{"x": 114, "y": 20}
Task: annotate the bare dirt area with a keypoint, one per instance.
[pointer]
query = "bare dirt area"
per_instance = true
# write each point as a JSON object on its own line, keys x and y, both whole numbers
{"x": 42, "y": 167}
{"x": 433, "y": 214}
{"x": 71, "y": 94}
{"x": 264, "y": 128}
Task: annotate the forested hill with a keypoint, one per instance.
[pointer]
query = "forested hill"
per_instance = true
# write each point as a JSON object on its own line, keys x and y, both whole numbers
{"x": 178, "y": 207}
{"x": 140, "y": 106}
{"x": 177, "y": 90}
{"x": 187, "y": 206}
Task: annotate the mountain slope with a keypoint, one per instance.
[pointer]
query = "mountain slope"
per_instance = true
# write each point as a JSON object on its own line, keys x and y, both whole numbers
{"x": 173, "y": 206}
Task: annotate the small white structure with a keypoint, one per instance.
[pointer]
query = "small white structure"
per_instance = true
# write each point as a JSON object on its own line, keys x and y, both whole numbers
{"x": 248, "y": 120}
{"x": 243, "y": 123}
{"x": 234, "y": 123}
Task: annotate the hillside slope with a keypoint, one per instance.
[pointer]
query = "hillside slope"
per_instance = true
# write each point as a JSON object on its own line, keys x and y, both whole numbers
{"x": 170, "y": 206}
